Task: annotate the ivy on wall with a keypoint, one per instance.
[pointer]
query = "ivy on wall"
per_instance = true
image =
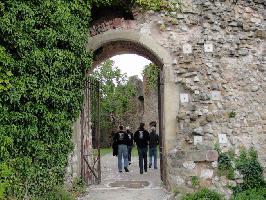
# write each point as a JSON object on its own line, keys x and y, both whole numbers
{"x": 42, "y": 67}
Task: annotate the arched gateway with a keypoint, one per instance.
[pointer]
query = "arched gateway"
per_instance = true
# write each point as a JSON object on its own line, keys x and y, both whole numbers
{"x": 115, "y": 42}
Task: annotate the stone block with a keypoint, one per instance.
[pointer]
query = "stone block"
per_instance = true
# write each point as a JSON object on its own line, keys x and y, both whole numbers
{"x": 222, "y": 138}
{"x": 198, "y": 139}
{"x": 261, "y": 34}
{"x": 216, "y": 95}
{"x": 198, "y": 156}
{"x": 184, "y": 98}
{"x": 212, "y": 155}
{"x": 208, "y": 47}
{"x": 187, "y": 48}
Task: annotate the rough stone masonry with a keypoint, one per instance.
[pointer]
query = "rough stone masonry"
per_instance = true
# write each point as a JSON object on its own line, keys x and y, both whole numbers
{"x": 218, "y": 52}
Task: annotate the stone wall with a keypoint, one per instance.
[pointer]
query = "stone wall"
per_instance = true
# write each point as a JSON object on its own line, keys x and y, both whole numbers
{"x": 219, "y": 56}
{"x": 218, "y": 53}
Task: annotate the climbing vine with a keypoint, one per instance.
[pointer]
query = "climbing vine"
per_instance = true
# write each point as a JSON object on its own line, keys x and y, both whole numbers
{"x": 42, "y": 66}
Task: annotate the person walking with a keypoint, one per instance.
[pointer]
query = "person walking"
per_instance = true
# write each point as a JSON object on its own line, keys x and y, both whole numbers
{"x": 121, "y": 139}
{"x": 130, "y": 143}
{"x": 141, "y": 137}
{"x": 154, "y": 141}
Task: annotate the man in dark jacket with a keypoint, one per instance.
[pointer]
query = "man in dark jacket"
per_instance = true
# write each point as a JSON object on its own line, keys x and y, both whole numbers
{"x": 141, "y": 138}
{"x": 154, "y": 141}
{"x": 121, "y": 139}
{"x": 130, "y": 143}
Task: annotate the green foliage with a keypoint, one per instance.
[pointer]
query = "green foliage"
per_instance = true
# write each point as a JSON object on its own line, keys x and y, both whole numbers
{"x": 78, "y": 187}
{"x": 42, "y": 67}
{"x": 159, "y": 5}
{"x": 58, "y": 193}
{"x": 232, "y": 114}
{"x": 248, "y": 165}
{"x": 156, "y": 5}
{"x": 251, "y": 194}
{"x": 204, "y": 194}
{"x": 5, "y": 73}
{"x": 195, "y": 181}
{"x": 5, "y": 172}
{"x": 225, "y": 166}
{"x": 116, "y": 92}
{"x": 151, "y": 72}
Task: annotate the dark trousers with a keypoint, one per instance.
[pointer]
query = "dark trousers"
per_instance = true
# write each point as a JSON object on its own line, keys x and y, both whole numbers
{"x": 142, "y": 158}
{"x": 129, "y": 148}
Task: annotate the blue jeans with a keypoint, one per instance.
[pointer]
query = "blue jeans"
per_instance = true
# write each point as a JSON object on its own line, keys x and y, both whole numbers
{"x": 122, "y": 152}
{"x": 142, "y": 157}
{"x": 129, "y": 148}
{"x": 153, "y": 153}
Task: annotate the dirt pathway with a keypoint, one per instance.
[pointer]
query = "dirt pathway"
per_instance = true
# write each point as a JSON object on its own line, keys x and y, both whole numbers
{"x": 126, "y": 186}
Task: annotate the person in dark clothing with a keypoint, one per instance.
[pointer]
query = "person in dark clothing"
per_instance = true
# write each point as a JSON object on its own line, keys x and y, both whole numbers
{"x": 130, "y": 143}
{"x": 141, "y": 137}
{"x": 154, "y": 141}
{"x": 121, "y": 139}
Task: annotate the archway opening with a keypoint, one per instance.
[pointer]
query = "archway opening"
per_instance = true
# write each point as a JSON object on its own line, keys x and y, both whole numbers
{"x": 147, "y": 100}
{"x": 128, "y": 100}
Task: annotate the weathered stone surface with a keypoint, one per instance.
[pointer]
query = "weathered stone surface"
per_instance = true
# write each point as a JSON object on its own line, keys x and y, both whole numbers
{"x": 228, "y": 56}
{"x": 206, "y": 173}
{"x": 212, "y": 155}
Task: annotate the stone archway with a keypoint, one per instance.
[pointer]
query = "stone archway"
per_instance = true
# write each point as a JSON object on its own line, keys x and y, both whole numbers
{"x": 115, "y": 42}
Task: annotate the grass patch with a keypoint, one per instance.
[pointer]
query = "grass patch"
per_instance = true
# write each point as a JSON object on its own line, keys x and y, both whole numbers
{"x": 105, "y": 151}
{"x": 204, "y": 194}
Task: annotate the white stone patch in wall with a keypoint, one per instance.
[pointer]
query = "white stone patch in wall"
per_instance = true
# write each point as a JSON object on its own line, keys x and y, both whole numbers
{"x": 216, "y": 95}
{"x": 215, "y": 164}
{"x": 184, "y": 98}
{"x": 175, "y": 61}
{"x": 187, "y": 48}
{"x": 208, "y": 47}
{"x": 198, "y": 139}
{"x": 196, "y": 79}
{"x": 189, "y": 165}
{"x": 222, "y": 138}
{"x": 206, "y": 173}
{"x": 179, "y": 180}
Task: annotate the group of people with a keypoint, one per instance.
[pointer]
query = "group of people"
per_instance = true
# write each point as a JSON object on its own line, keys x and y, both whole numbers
{"x": 123, "y": 142}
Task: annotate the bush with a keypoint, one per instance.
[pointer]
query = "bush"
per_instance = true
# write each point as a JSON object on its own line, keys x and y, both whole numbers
{"x": 225, "y": 167}
{"x": 204, "y": 194}
{"x": 251, "y": 194}
{"x": 248, "y": 165}
{"x": 59, "y": 193}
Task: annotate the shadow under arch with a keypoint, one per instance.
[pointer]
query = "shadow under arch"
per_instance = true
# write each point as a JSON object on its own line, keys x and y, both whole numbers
{"x": 115, "y": 42}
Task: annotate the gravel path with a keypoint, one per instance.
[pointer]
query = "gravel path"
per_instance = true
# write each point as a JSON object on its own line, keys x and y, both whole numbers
{"x": 111, "y": 176}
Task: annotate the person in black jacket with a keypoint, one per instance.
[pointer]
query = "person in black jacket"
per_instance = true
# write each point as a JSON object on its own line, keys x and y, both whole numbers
{"x": 121, "y": 139}
{"x": 154, "y": 141}
{"x": 130, "y": 143}
{"x": 141, "y": 137}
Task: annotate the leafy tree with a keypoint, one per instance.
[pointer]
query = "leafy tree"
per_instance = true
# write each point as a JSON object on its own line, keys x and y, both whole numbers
{"x": 116, "y": 95}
